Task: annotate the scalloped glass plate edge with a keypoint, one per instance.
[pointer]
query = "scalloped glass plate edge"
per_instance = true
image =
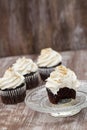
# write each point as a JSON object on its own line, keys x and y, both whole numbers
{"x": 57, "y": 113}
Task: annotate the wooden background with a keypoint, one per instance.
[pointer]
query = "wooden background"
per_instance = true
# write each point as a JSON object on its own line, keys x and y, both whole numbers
{"x": 26, "y": 26}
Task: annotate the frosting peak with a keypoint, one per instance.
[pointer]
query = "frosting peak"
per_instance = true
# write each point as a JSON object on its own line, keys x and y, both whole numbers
{"x": 48, "y": 58}
{"x": 62, "y": 69}
{"x": 11, "y": 79}
{"x": 24, "y": 66}
{"x": 46, "y": 51}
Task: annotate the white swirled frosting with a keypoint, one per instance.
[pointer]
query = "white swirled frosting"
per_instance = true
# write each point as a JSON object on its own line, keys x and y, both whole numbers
{"x": 62, "y": 77}
{"x": 11, "y": 79}
{"x": 48, "y": 58}
{"x": 25, "y": 66}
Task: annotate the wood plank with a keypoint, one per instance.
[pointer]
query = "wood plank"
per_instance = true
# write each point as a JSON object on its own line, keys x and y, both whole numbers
{"x": 27, "y": 26}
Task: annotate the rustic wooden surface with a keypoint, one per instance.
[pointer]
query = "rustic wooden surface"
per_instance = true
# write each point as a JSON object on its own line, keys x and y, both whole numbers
{"x": 27, "y": 26}
{"x": 20, "y": 117}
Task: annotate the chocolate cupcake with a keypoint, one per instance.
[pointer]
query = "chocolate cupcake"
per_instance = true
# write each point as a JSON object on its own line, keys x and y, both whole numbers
{"x": 47, "y": 61}
{"x": 28, "y": 69}
{"x": 12, "y": 87}
{"x": 62, "y": 84}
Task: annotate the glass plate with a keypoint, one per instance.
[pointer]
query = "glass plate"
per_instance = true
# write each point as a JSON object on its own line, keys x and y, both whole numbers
{"x": 38, "y": 100}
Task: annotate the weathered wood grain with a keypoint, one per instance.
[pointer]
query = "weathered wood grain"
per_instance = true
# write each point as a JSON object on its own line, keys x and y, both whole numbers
{"x": 20, "y": 117}
{"x": 27, "y": 26}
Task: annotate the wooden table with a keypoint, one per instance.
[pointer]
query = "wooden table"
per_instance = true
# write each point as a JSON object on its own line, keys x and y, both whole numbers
{"x": 20, "y": 117}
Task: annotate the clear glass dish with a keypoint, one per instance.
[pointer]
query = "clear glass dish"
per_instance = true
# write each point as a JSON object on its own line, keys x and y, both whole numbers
{"x": 38, "y": 100}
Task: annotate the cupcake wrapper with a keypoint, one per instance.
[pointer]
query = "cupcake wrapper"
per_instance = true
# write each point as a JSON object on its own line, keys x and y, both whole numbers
{"x": 45, "y": 72}
{"x": 32, "y": 80}
{"x": 13, "y": 96}
{"x": 13, "y": 92}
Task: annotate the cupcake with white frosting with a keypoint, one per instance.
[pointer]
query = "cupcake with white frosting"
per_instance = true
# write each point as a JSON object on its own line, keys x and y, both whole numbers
{"x": 29, "y": 70}
{"x": 12, "y": 87}
{"x": 47, "y": 61}
{"x": 62, "y": 84}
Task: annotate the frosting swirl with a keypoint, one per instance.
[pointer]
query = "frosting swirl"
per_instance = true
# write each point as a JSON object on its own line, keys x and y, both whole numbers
{"x": 48, "y": 58}
{"x": 24, "y": 66}
{"x": 62, "y": 77}
{"x": 11, "y": 79}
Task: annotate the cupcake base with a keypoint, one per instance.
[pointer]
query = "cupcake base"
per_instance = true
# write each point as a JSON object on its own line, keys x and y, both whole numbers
{"x": 32, "y": 80}
{"x": 13, "y": 96}
{"x": 45, "y": 71}
{"x": 63, "y": 93}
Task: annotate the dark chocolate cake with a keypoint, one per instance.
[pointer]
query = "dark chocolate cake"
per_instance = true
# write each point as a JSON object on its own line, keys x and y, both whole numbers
{"x": 63, "y": 93}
